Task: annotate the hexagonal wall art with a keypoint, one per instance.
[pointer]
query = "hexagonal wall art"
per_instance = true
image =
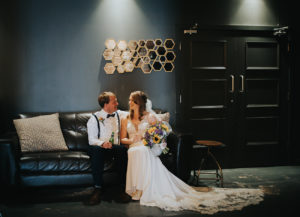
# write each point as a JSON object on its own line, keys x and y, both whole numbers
{"x": 116, "y": 60}
{"x": 109, "y": 68}
{"x": 135, "y": 60}
{"x": 162, "y": 59}
{"x": 132, "y": 45}
{"x": 170, "y": 56}
{"x": 122, "y": 45}
{"x": 142, "y": 51}
{"x": 141, "y": 43}
{"x": 158, "y": 42}
{"x": 150, "y": 44}
{"x": 110, "y": 43}
{"x": 117, "y": 52}
{"x": 146, "y": 68}
{"x": 134, "y": 54}
{"x": 152, "y": 54}
{"x": 146, "y": 59}
{"x": 121, "y": 69}
{"x": 126, "y": 55}
{"x": 168, "y": 67}
{"x": 169, "y": 44}
{"x": 157, "y": 66}
{"x": 129, "y": 66}
{"x": 161, "y": 50}
{"x": 108, "y": 54}
{"x": 148, "y": 55}
{"x": 138, "y": 62}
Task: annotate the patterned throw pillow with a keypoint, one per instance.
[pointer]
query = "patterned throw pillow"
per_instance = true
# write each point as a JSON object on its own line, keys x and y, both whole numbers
{"x": 164, "y": 116}
{"x": 41, "y": 133}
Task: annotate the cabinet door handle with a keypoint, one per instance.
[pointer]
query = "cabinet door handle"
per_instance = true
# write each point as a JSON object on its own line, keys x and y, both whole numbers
{"x": 232, "y": 83}
{"x": 242, "y": 83}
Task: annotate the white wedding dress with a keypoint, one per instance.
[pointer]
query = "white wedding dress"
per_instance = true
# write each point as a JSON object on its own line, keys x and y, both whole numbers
{"x": 149, "y": 181}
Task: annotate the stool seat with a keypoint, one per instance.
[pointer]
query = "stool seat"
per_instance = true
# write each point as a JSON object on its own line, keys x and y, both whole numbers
{"x": 207, "y": 145}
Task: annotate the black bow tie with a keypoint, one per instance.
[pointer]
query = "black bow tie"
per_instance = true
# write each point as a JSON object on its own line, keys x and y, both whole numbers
{"x": 110, "y": 115}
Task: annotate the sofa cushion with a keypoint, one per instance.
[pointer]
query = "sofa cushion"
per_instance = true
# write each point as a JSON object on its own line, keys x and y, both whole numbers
{"x": 41, "y": 133}
{"x": 55, "y": 163}
{"x": 59, "y": 163}
{"x": 164, "y": 117}
{"x": 73, "y": 125}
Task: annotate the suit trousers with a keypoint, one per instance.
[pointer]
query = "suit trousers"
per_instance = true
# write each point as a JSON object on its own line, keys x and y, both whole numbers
{"x": 98, "y": 155}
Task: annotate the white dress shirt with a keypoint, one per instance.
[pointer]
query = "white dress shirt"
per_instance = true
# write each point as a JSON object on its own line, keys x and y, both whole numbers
{"x": 107, "y": 126}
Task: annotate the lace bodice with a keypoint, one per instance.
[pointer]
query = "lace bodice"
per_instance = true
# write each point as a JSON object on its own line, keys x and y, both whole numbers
{"x": 141, "y": 128}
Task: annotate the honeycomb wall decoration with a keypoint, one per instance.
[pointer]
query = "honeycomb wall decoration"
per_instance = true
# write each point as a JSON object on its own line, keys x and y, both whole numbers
{"x": 147, "y": 55}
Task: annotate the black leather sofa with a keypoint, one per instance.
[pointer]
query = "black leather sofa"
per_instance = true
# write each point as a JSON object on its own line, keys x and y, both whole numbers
{"x": 72, "y": 167}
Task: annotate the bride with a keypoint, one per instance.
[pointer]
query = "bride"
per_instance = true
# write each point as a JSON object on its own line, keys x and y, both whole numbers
{"x": 149, "y": 181}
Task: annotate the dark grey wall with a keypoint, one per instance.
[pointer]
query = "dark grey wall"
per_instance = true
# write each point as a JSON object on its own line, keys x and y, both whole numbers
{"x": 231, "y": 12}
{"x": 63, "y": 42}
{"x": 51, "y": 50}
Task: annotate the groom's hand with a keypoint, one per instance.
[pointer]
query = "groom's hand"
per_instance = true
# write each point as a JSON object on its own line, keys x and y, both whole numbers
{"x": 107, "y": 145}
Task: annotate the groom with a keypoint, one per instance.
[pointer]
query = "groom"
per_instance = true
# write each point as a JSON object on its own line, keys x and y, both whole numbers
{"x": 104, "y": 139}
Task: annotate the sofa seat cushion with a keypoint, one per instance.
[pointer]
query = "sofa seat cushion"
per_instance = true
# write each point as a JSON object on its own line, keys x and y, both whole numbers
{"x": 59, "y": 163}
{"x": 42, "y": 163}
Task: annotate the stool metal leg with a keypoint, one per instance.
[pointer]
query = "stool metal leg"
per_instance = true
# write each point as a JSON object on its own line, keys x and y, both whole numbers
{"x": 203, "y": 160}
{"x": 201, "y": 165}
{"x": 219, "y": 177}
{"x": 198, "y": 172}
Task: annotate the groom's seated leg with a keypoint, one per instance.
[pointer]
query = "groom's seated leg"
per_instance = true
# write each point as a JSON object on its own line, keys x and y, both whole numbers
{"x": 96, "y": 154}
{"x": 120, "y": 154}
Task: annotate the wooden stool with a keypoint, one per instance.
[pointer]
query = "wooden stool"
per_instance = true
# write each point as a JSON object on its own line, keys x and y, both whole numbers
{"x": 207, "y": 145}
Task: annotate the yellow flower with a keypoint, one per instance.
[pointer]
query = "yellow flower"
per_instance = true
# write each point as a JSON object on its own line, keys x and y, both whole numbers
{"x": 151, "y": 130}
{"x": 165, "y": 127}
{"x": 156, "y": 139}
{"x": 145, "y": 142}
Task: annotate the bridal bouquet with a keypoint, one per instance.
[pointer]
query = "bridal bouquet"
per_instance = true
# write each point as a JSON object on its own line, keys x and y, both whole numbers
{"x": 156, "y": 138}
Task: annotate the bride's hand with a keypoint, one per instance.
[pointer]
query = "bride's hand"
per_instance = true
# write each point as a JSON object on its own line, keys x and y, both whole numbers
{"x": 137, "y": 138}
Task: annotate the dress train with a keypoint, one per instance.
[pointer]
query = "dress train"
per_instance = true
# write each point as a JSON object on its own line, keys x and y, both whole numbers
{"x": 150, "y": 182}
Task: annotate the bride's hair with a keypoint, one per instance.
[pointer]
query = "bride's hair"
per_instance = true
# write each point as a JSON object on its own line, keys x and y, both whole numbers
{"x": 139, "y": 98}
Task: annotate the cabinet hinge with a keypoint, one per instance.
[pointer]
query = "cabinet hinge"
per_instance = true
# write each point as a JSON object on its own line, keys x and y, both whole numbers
{"x": 190, "y": 31}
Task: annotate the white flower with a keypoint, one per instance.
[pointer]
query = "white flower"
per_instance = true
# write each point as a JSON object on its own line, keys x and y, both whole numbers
{"x": 163, "y": 145}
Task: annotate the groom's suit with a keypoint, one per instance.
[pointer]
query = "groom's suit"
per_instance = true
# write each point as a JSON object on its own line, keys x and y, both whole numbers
{"x": 100, "y": 127}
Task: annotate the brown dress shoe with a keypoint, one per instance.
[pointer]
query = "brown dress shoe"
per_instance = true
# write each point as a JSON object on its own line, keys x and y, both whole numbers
{"x": 96, "y": 197}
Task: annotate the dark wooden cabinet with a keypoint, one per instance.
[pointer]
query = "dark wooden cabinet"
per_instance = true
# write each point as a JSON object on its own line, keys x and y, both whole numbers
{"x": 233, "y": 89}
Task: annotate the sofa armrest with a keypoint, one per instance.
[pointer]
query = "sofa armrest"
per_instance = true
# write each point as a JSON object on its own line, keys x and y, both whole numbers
{"x": 9, "y": 155}
{"x": 184, "y": 153}
{"x": 169, "y": 159}
{"x": 178, "y": 159}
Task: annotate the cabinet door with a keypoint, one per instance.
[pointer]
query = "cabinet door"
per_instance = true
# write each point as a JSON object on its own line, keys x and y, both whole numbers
{"x": 259, "y": 88}
{"x": 231, "y": 90}
{"x": 208, "y": 91}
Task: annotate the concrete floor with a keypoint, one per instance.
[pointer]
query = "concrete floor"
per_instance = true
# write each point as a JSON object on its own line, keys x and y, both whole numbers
{"x": 281, "y": 185}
